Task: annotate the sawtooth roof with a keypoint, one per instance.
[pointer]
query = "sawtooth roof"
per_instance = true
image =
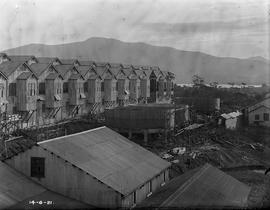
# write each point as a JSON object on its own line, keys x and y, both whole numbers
{"x": 63, "y": 69}
{"x": 7, "y": 68}
{"x": 53, "y": 76}
{"x": 101, "y": 64}
{"x": 100, "y": 70}
{"x": 110, "y": 157}
{"x": 83, "y": 69}
{"x": 68, "y": 61}
{"x": 116, "y": 65}
{"x": 86, "y": 63}
{"x": 21, "y": 58}
{"x": 39, "y": 68}
{"x": 25, "y": 75}
{"x": 136, "y": 67}
{"x": 48, "y": 60}
{"x": 115, "y": 70}
{"x": 76, "y": 76}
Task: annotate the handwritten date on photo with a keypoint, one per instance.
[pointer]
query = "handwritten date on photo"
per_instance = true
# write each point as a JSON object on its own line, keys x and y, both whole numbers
{"x": 32, "y": 202}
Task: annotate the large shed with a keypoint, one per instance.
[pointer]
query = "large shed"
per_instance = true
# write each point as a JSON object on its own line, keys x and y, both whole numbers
{"x": 19, "y": 192}
{"x": 99, "y": 167}
{"x": 205, "y": 187}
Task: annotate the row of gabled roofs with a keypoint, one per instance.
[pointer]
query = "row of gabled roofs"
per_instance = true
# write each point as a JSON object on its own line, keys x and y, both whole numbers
{"x": 82, "y": 66}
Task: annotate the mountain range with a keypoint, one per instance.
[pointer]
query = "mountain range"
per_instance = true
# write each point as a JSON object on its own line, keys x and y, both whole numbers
{"x": 184, "y": 64}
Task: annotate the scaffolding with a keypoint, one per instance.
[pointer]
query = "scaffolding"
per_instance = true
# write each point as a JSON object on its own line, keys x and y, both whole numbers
{"x": 9, "y": 124}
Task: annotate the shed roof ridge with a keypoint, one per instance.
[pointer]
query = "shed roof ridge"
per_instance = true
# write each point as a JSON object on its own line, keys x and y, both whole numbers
{"x": 184, "y": 186}
{"x": 258, "y": 107}
{"x": 74, "y": 134}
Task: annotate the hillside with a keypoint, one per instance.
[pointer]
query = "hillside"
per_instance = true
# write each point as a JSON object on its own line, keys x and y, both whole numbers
{"x": 183, "y": 63}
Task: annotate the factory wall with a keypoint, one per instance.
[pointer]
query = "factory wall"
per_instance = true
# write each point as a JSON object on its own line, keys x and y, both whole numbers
{"x": 146, "y": 190}
{"x": 67, "y": 179}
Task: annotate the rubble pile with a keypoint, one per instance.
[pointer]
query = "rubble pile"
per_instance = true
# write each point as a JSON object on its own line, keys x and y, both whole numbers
{"x": 219, "y": 147}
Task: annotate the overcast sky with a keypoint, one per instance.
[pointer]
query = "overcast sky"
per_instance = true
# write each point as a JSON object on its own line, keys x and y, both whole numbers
{"x": 235, "y": 28}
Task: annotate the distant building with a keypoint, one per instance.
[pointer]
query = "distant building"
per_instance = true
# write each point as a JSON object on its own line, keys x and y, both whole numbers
{"x": 231, "y": 120}
{"x": 259, "y": 113}
{"x": 99, "y": 167}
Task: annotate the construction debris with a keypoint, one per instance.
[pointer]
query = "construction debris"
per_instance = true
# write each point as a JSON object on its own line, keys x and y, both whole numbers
{"x": 166, "y": 156}
{"x": 179, "y": 150}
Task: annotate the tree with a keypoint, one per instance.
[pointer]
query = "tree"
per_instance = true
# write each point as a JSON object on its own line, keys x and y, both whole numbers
{"x": 231, "y": 83}
{"x": 243, "y": 84}
{"x": 197, "y": 80}
{"x": 214, "y": 84}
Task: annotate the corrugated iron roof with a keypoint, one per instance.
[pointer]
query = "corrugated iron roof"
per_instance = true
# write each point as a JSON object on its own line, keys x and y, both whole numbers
{"x": 116, "y": 65}
{"x": 113, "y": 159}
{"x": 208, "y": 187}
{"x": 53, "y": 76}
{"x": 127, "y": 71}
{"x": 140, "y": 73}
{"x": 145, "y": 67}
{"x": 16, "y": 191}
{"x": 101, "y": 64}
{"x": 25, "y": 75}
{"x": 76, "y": 76}
{"x": 86, "y": 63}
{"x": 126, "y": 66}
{"x": 231, "y": 115}
{"x": 259, "y": 107}
{"x": 136, "y": 67}
{"x": 21, "y": 58}
{"x": 158, "y": 197}
{"x": 48, "y": 60}
{"x": 69, "y": 61}
{"x": 63, "y": 69}
{"x": 84, "y": 69}
{"x": 7, "y": 68}
{"x": 39, "y": 68}
{"x": 116, "y": 70}
{"x": 101, "y": 71}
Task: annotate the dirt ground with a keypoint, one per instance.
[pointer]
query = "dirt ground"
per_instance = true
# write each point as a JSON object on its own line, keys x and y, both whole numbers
{"x": 225, "y": 149}
{"x": 259, "y": 196}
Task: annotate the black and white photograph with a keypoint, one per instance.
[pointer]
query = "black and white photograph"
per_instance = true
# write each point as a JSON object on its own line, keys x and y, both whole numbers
{"x": 134, "y": 104}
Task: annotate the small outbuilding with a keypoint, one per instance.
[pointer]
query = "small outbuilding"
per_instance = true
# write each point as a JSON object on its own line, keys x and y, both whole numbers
{"x": 231, "y": 120}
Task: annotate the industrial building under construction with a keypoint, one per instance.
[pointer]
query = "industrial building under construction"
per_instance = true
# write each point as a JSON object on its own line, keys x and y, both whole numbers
{"x": 38, "y": 91}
